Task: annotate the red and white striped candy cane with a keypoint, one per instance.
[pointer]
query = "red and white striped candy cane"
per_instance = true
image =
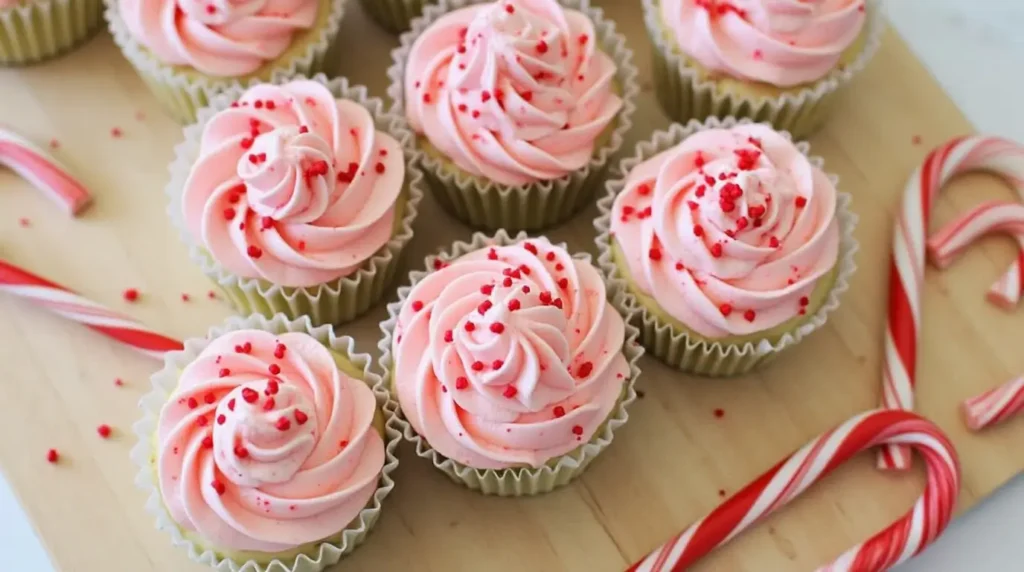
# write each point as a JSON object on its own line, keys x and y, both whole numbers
{"x": 64, "y": 302}
{"x": 900, "y": 541}
{"x": 988, "y": 217}
{"x": 1000, "y": 156}
{"x": 995, "y": 405}
{"x": 43, "y": 171}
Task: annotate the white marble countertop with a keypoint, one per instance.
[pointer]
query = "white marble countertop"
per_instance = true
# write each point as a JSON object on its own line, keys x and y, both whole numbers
{"x": 973, "y": 48}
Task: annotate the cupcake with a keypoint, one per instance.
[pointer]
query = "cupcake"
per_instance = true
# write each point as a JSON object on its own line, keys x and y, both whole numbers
{"x": 34, "y": 30}
{"x": 394, "y": 15}
{"x": 263, "y": 446}
{"x": 777, "y": 61}
{"x": 297, "y": 198}
{"x": 731, "y": 242}
{"x": 209, "y": 47}
{"x": 516, "y": 104}
{"x": 511, "y": 368}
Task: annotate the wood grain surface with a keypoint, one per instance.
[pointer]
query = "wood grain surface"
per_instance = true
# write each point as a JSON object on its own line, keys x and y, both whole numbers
{"x": 667, "y": 465}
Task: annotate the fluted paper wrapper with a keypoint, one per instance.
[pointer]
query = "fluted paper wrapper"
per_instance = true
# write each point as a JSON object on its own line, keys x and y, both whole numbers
{"x": 683, "y": 95}
{"x": 164, "y": 383}
{"x": 183, "y": 96}
{"x": 522, "y": 481}
{"x": 488, "y": 205}
{"x": 664, "y": 341}
{"x": 40, "y": 29}
{"x": 335, "y": 302}
{"x": 394, "y": 16}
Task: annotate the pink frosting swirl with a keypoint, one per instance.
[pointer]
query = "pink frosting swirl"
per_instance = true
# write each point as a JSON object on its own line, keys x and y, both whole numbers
{"x": 224, "y": 38}
{"x": 516, "y": 91}
{"x": 293, "y": 186}
{"x": 265, "y": 445}
{"x": 729, "y": 231}
{"x": 780, "y": 42}
{"x": 509, "y": 356}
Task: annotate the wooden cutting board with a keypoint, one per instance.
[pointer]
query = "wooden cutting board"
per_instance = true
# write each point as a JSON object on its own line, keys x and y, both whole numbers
{"x": 666, "y": 467}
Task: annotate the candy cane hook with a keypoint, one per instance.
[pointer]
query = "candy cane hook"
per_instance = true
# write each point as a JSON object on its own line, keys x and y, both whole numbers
{"x": 43, "y": 171}
{"x": 1000, "y": 156}
{"x": 995, "y": 406}
{"x": 898, "y": 542}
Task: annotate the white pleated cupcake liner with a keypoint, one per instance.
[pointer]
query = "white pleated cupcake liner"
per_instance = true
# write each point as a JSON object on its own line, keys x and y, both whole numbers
{"x": 40, "y": 29}
{"x": 665, "y": 341}
{"x": 489, "y": 205}
{"x": 164, "y": 383}
{"x": 334, "y": 302}
{"x": 394, "y": 16}
{"x": 521, "y": 481}
{"x": 684, "y": 95}
{"x": 184, "y": 95}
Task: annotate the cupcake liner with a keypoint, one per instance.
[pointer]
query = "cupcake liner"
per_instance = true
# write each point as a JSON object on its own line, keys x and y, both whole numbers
{"x": 166, "y": 380}
{"x": 183, "y": 96}
{"x": 394, "y": 15}
{"x": 41, "y": 29}
{"x": 684, "y": 96}
{"x": 489, "y": 205}
{"x": 521, "y": 481}
{"x": 666, "y": 342}
{"x": 335, "y": 302}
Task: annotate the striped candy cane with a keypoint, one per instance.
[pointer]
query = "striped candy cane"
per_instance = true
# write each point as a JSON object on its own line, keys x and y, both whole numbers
{"x": 993, "y": 216}
{"x": 64, "y": 302}
{"x": 900, "y": 541}
{"x": 995, "y": 406}
{"x": 1002, "y": 157}
{"x": 43, "y": 171}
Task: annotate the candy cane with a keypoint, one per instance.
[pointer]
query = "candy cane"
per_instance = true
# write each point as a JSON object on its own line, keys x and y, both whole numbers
{"x": 999, "y": 156}
{"x": 995, "y": 405}
{"x": 992, "y": 216}
{"x": 901, "y": 540}
{"x": 43, "y": 171}
{"x": 66, "y": 303}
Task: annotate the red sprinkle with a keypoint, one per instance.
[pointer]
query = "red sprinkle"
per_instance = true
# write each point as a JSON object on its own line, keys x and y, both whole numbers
{"x": 218, "y": 487}
{"x": 679, "y": 266}
{"x": 130, "y": 295}
{"x": 644, "y": 189}
{"x": 272, "y": 387}
{"x": 510, "y": 8}
{"x": 470, "y": 326}
{"x": 52, "y": 456}
{"x": 559, "y": 411}
{"x": 250, "y": 395}
{"x": 118, "y": 382}
{"x": 486, "y": 289}
{"x": 497, "y": 327}
{"x": 725, "y": 309}
{"x": 221, "y": 419}
{"x": 274, "y": 369}
{"x": 577, "y": 430}
{"x": 804, "y": 301}
{"x": 224, "y": 372}
{"x": 477, "y": 366}
{"x": 379, "y": 168}
{"x": 698, "y": 230}
{"x": 104, "y": 430}
{"x": 185, "y": 297}
{"x": 719, "y": 413}
{"x": 496, "y": 364}
{"x": 484, "y": 306}
{"x": 449, "y": 336}
{"x": 800, "y": 202}
{"x": 207, "y": 442}
{"x": 716, "y": 250}
{"x": 254, "y": 251}
{"x": 773, "y": 242}
{"x": 116, "y": 132}
{"x": 461, "y": 382}
{"x": 749, "y": 315}
{"x": 231, "y": 404}
{"x": 269, "y": 404}
{"x": 563, "y": 283}
{"x": 529, "y": 246}
{"x": 241, "y": 452}
{"x": 301, "y": 417}
{"x": 283, "y": 424}
{"x": 209, "y": 398}
{"x": 654, "y": 254}
{"x": 192, "y": 403}
{"x": 417, "y": 305}
{"x": 510, "y": 391}
{"x": 513, "y": 305}
{"x": 542, "y": 47}
{"x": 585, "y": 369}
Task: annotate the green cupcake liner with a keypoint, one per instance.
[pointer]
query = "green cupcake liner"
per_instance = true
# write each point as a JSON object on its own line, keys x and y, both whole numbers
{"x": 164, "y": 382}
{"x": 394, "y": 16}
{"x": 522, "y": 481}
{"x": 674, "y": 346}
{"x": 683, "y": 95}
{"x": 486, "y": 205}
{"x": 334, "y": 302}
{"x": 41, "y": 29}
{"x": 183, "y": 95}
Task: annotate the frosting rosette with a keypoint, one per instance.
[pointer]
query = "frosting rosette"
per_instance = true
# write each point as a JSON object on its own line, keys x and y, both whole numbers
{"x": 221, "y": 38}
{"x": 729, "y": 232}
{"x": 509, "y": 356}
{"x": 265, "y": 445}
{"x": 779, "y": 42}
{"x": 513, "y": 91}
{"x": 293, "y": 186}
